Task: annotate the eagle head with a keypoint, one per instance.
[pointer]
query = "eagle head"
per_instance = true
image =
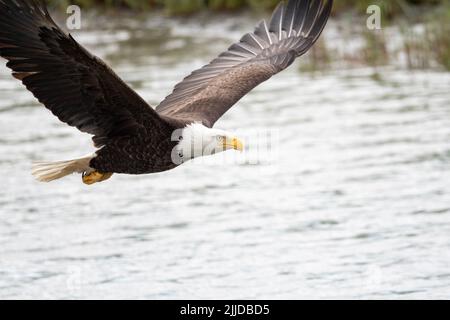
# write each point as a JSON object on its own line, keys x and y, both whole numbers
{"x": 197, "y": 140}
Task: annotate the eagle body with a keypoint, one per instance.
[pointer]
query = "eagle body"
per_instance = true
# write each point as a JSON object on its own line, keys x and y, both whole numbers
{"x": 140, "y": 154}
{"x": 131, "y": 137}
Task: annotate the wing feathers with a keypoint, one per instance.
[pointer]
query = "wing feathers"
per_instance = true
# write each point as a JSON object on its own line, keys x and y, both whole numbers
{"x": 303, "y": 11}
{"x": 293, "y": 29}
{"x": 77, "y": 87}
{"x": 276, "y": 22}
{"x": 312, "y": 16}
{"x": 289, "y": 19}
{"x": 253, "y": 40}
{"x": 263, "y": 31}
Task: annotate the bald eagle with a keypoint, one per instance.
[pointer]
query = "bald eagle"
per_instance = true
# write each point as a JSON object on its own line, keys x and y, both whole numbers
{"x": 130, "y": 136}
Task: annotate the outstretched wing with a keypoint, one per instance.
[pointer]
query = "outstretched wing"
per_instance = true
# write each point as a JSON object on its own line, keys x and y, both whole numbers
{"x": 77, "y": 87}
{"x": 209, "y": 92}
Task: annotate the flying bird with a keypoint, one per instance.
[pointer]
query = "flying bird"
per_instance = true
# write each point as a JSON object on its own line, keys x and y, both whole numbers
{"x": 130, "y": 136}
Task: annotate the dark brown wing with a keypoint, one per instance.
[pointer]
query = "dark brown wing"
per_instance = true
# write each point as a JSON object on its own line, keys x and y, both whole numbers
{"x": 76, "y": 86}
{"x": 209, "y": 92}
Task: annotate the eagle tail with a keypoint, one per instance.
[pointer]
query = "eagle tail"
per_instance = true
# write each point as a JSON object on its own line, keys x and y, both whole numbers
{"x": 49, "y": 171}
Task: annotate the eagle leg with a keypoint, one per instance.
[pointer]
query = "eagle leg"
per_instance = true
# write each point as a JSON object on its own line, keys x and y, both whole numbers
{"x": 95, "y": 177}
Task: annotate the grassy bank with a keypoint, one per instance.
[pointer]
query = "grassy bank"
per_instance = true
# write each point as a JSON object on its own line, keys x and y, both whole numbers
{"x": 412, "y": 42}
{"x": 424, "y": 47}
{"x": 391, "y": 8}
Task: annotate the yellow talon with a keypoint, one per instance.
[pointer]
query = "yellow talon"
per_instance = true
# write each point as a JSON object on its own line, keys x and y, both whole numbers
{"x": 95, "y": 177}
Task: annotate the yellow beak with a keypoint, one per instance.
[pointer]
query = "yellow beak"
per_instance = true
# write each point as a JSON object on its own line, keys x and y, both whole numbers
{"x": 233, "y": 143}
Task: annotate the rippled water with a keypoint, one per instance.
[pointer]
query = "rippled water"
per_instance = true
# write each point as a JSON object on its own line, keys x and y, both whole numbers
{"x": 355, "y": 205}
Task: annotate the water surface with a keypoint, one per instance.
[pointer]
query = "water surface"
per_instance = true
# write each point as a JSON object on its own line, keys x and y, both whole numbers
{"x": 356, "y": 204}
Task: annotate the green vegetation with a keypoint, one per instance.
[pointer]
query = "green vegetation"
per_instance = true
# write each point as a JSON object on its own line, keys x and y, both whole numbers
{"x": 390, "y": 7}
{"x": 438, "y": 38}
{"x": 424, "y": 38}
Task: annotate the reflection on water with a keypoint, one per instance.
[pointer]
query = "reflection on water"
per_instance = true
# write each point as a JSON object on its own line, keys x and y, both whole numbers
{"x": 357, "y": 207}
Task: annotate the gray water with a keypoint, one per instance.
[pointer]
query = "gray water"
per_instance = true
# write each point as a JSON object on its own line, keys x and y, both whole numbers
{"x": 356, "y": 204}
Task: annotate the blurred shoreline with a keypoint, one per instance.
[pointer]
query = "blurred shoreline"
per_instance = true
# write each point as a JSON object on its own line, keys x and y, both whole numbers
{"x": 391, "y": 9}
{"x": 413, "y": 37}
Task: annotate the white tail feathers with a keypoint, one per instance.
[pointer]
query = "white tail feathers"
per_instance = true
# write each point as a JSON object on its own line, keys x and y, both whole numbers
{"x": 49, "y": 171}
